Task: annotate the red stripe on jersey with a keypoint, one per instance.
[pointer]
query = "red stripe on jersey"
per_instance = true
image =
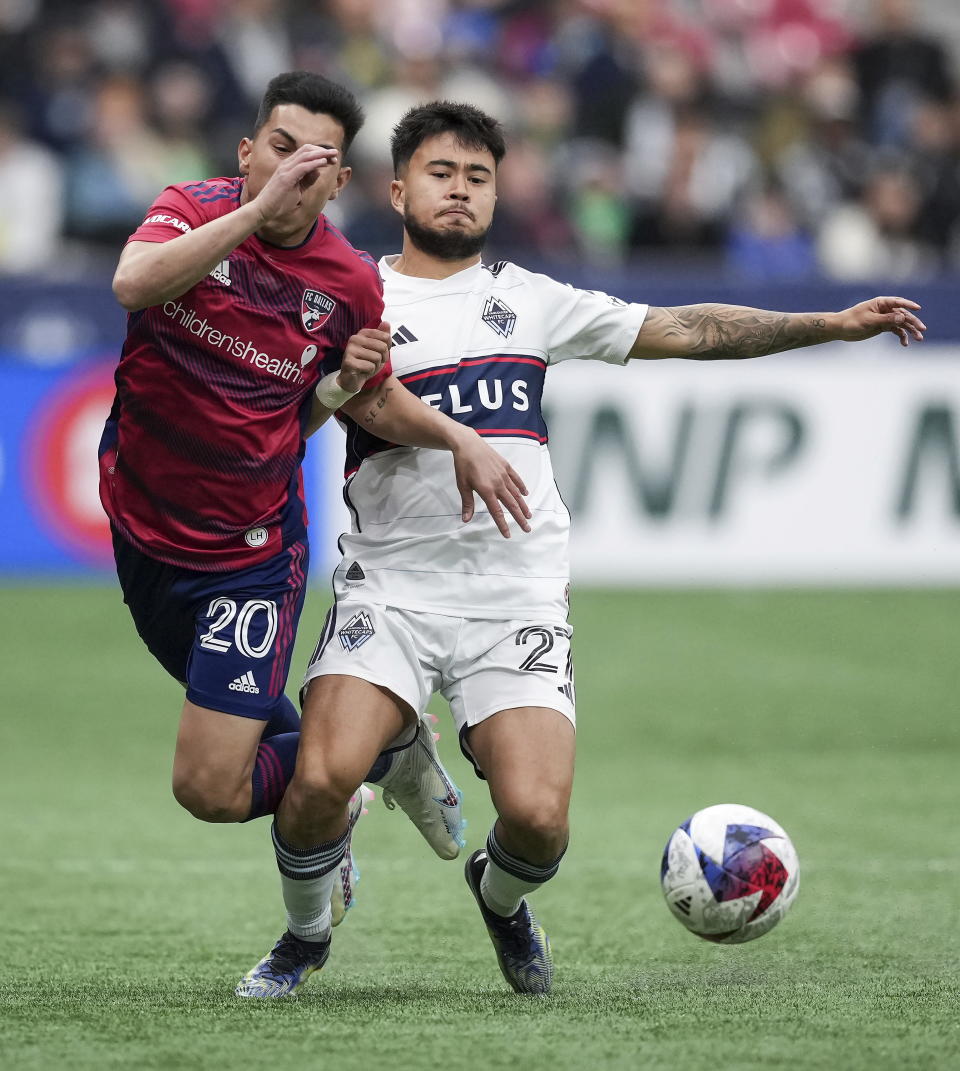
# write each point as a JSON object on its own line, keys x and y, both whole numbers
{"x": 432, "y": 372}
{"x": 504, "y": 359}
{"x": 447, "y": 369}
{"x": 522, "y": 432}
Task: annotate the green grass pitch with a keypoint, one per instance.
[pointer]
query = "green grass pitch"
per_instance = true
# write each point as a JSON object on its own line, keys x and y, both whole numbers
{"x": 125, "y": 923}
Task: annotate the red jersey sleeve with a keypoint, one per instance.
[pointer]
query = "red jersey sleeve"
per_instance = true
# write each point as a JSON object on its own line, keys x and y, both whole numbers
{"x": 173, "y": 213}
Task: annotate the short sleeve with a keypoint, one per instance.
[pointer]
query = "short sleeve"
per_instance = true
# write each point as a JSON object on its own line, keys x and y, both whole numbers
{"x": 173, "y": 213}
{"x": 587, "y": 324}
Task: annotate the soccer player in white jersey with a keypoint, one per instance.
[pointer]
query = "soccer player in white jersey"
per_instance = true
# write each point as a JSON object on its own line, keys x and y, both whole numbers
{"x": 425, "y": 603}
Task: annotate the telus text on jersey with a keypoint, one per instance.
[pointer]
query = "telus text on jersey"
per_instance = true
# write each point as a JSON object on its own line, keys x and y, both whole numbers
{"x": 489, "y": 395}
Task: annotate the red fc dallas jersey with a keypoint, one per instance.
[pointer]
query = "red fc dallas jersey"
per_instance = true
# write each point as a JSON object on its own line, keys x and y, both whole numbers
{"x": 200, "y": 456}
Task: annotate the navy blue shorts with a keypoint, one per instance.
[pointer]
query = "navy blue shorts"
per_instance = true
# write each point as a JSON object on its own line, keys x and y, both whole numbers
{"x": 227, "y": 636}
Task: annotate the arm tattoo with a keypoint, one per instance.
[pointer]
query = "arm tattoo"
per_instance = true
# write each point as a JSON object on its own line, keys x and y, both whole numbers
{"x": 377, "y": 403}
{"x": 725, "y": 332}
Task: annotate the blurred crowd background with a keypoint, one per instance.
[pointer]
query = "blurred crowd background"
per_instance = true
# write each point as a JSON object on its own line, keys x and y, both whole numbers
{"x": 761, "y": 139}
{"x": 785, "y": 154}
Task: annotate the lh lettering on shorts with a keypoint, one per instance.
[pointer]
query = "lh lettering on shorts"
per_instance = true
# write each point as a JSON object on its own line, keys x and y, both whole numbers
{"x": 224, "y": 612}
{"x": 356, "y": 631}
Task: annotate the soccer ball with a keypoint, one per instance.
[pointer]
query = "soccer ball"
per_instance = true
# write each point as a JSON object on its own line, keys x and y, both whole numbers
{"x": 729, "y": 873}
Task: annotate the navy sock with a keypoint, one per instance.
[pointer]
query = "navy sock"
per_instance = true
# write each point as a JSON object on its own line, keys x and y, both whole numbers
{"x": 272, "y": 771}
{"x": 277, "y": 759}
{"x": 286, "y": 719}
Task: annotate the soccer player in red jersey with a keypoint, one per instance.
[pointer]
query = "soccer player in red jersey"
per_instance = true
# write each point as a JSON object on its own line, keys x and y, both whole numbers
{"x": 252, "y": 319}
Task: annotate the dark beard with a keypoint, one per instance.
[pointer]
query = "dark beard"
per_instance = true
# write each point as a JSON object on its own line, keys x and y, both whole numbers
{"x": 452, "y": 244}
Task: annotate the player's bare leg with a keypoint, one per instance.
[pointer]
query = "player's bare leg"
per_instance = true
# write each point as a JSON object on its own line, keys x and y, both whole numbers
{"x": 213, "y": 763}
{"x": 527, "y": 756}
{"x": 347, "y": 723}
{"x": 228, "y": 768}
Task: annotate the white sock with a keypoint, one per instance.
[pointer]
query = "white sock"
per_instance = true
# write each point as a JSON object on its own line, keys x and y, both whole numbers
{"x": 307, "y": 877}
{"x": 507, "y": 878}
{"x": 308, "y": 906}
{"x": 502, "y": 892}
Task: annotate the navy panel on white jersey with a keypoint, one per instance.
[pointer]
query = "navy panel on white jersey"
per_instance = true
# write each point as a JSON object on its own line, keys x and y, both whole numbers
{"x": 475, "y": 346}
{"x": 496, "y": 395}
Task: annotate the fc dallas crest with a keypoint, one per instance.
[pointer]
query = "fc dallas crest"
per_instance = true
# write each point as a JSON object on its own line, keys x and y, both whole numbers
{"x": 315, "y": 309}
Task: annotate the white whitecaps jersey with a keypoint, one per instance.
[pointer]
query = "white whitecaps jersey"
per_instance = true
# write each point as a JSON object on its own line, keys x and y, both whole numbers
{"x": 476, "y": 346}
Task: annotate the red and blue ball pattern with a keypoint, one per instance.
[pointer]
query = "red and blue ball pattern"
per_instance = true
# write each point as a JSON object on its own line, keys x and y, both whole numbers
{"x": 729, "y": 873}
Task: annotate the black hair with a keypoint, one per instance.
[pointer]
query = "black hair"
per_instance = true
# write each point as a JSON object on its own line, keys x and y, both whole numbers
{"x": 318, "y": 95}
{"x": 470, "y": 126}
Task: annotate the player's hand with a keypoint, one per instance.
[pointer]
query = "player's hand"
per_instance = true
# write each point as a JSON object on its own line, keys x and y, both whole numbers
{"x": 481, "y": 470}
{"x": 879, "y": 314}
{"x": 283, "y": 191}
{"x": 363, "y": 356}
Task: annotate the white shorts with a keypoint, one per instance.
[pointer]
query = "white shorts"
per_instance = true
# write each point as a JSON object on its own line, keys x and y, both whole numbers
{"x": 479, "y": 666}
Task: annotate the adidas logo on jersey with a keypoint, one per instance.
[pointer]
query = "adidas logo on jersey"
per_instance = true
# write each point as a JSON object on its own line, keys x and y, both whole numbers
{"x": 246, "y": 683}
{"x": 403, "y": 334}
{"x": 222, "y": 272}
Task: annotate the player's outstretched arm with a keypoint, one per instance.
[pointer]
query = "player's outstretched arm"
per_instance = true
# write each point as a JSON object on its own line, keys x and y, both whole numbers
{"x": 392, "y": 413}
{"x": 731, "y": 332}
{"x": 149, "y": 273}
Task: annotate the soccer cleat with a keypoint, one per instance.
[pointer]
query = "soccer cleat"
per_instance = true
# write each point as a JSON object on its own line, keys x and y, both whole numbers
{"x": 426, "y": 793}
{"x": 283, "y": 971}
{"x": 523, "y": 949}
{"x": 348, "y": 875}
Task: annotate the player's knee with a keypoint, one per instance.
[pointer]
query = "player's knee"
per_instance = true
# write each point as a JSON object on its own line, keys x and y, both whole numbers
{"x": 209, "y": 800}
{"x": 540, "y": 824}
{"x": 320, "y": 791}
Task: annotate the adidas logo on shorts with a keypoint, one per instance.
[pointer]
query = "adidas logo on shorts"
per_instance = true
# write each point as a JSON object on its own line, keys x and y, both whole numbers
{"x": 246, "y": 683}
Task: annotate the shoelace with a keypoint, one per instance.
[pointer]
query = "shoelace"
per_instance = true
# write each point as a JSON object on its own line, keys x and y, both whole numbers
{"x": 285, "y": 957}
{"x": 518, "y": 937}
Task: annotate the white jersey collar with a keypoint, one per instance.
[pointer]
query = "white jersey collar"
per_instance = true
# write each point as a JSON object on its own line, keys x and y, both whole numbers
{"x": 458, "y": 282}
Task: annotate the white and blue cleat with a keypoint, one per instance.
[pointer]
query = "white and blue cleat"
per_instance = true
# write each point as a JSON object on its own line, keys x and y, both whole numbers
{"x": 284, "y": 969}
{"x": 426, "y": 793}
{"x": 522, "y": 947}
